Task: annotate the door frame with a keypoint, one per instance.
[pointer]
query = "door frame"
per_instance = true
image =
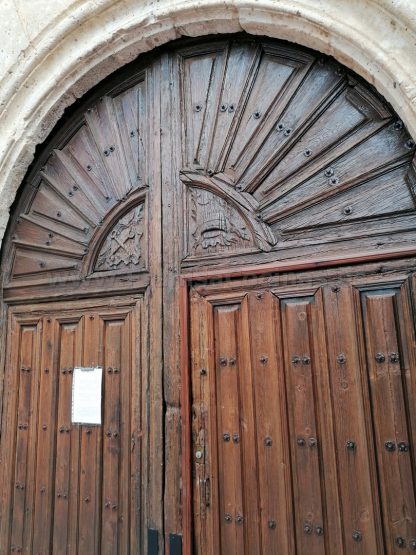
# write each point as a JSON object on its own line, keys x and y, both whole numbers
{"x": 185, "y": 282}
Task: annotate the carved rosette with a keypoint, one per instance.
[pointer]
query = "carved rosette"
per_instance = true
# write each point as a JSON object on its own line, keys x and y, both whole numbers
{"x": 122, "y": 247}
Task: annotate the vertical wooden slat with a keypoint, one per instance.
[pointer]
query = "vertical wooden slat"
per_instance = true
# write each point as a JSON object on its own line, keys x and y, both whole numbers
{"x": 46, "y": 434}
{"x": 127, "y": 359}
{"x": 271, "y": 434}
{"x": 381, "y": 310}
{"x": 205, "y": 469}
{"x": 65, "y": 490}
{"x": 111, "y": 433}
{"x": 8, "y": 435}
{"x": 230, "y": 479}
{"x": 90, "y": 475}
{"x": 302, "y": 408}
{"x": 359, "y": 503}
{"x": 172, "y": 245}
{"x": 21, "y": 375}
{"x": 248, "y": 434}
{"x": 134, "y": 447}
{"x": 154, "y": 436}
{"x": 22, "y": 526}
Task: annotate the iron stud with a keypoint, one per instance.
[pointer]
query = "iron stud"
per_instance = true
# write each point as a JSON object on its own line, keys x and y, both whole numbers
{"x": 403, "y": 447}
{"x": 239, "y": 519}
{"x": 341, "y": 358}
{"x": 400, "y": 542}
{"x": 394, "y": 357}
{"x": 307, "y": 528}
{"x": 271, "y": 524}
{"x": 412, "y": 544}
{"x": 226, "y": 437}
{"x": 268, "y": 442}
{"x": 300, "y": 441}
{"x": 228, "y": 517}
{"x": 357, "y": 536}
{"x": 236, "y": 438}
{"x": 313, "y": 442}
{"x": 390, "y": 446}
{"x": 351, "y": 445}
{"x": 380, "y": 358}
{"x": 306, "y": 360}
{"x": 263, "y": 359}
{"x": 319, "y": 530}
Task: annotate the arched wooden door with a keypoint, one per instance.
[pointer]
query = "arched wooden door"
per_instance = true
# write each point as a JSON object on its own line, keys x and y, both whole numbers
{"x": 279, "y": 417}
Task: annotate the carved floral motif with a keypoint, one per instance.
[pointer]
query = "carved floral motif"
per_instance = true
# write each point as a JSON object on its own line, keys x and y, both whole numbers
{"x": 122, "y": 248}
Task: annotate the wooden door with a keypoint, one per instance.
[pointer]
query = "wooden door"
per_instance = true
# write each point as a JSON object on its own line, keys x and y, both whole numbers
{"x": 217, "y": 157}
{"x": 70, "y": 488}
{"x": 303, "y": 419}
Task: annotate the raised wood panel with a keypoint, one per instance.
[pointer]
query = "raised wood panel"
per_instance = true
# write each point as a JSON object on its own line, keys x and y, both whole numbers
{"x": 71, "y": 488}
{"x": 302, "y": 436}
{"x": 384, "y": 320}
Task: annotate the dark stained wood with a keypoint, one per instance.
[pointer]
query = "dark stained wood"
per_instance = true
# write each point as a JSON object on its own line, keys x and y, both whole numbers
{"x": 232, "y": 198}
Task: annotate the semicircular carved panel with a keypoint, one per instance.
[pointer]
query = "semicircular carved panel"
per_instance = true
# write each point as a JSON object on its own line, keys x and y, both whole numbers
{"x": 268, "y": 147}
{"x": 320, "y": 157}
{"x": 102, "y": 163}
{"x": 122, "y": 248}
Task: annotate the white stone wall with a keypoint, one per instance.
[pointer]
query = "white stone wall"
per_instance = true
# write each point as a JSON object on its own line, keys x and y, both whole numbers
{"x": 52, "y": 52}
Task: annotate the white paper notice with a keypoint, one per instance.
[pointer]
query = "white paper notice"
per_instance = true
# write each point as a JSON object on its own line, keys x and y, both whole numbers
{"x": 86, "y": 395}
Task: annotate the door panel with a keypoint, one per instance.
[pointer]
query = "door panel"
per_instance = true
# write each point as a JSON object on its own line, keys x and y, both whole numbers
{"x": 292, "y": 415}
{"x": 383, "y": 319}
{"x": 353, "y": 448}
{"x": 87, "y": 477}
{"x": 301, "y": 387}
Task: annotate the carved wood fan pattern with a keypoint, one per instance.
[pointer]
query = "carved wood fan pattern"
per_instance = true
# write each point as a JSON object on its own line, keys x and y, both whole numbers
{"x": 319, "y": 156}
{"x": 100, "y": 165}
{"x": 279, "y": 149}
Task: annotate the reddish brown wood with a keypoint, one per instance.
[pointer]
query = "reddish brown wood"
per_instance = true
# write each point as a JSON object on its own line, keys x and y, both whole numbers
{"x": 336, "y": 482}
{"x": 256, "y": 176}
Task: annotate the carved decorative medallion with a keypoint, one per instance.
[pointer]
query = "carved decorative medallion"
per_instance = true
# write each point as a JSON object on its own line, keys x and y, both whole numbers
{"x": 215, "y": 225}
{"x": 222, "y": 220}
{"x": 122, "y": 248}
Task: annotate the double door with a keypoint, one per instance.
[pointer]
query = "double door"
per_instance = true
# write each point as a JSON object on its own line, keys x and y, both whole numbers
{"x": 303, "y": 417}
